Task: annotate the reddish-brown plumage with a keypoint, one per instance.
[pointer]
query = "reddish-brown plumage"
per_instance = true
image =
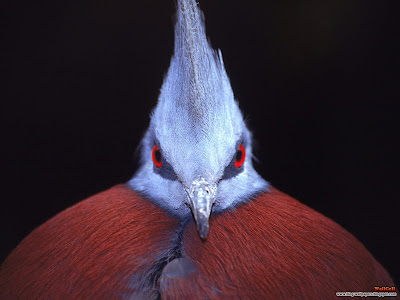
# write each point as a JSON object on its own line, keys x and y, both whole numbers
{"x": 274, "y": 248}
{"x": 115, "y": 245}
{"x": 103, "y": 247}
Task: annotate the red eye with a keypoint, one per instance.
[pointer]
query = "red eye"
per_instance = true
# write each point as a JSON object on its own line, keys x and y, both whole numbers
{"x": 156, "y": 156}
{"x": 240, "y": 156}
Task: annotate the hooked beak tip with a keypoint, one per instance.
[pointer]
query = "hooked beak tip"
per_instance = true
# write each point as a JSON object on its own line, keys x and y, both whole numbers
{"x": 202, "y": 226}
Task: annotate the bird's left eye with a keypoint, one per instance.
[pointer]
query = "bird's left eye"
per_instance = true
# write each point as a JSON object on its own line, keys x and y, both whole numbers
{"x": 240, "y": 156}
{"x": 156, "y": 156}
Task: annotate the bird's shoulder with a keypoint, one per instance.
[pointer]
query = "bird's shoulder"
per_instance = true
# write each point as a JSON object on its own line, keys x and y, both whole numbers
{"x": 275, "y": 241}
{"x": 96, "y": 247}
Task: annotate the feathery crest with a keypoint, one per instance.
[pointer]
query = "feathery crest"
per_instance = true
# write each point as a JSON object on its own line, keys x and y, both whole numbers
{"x": 197, "y": 126}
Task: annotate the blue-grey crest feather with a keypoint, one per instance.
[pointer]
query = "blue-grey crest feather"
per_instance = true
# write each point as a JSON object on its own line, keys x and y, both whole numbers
{"x": 197, "y": 125}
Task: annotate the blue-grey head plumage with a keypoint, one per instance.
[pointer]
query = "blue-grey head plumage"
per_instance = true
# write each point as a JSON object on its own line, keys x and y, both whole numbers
{"x": 198, "y": 128}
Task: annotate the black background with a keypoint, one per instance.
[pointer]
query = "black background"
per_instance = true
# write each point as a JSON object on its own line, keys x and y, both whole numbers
{"x": 318, "y": 82}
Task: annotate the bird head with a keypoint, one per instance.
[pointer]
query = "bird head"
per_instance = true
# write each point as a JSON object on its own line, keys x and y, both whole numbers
{"x": 196, "y": 154}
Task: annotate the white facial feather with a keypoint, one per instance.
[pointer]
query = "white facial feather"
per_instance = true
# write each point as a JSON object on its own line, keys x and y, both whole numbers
{"x": 197, "y": 125}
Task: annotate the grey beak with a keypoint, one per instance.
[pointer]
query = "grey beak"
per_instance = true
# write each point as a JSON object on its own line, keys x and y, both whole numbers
{"x": 201, "y": 196}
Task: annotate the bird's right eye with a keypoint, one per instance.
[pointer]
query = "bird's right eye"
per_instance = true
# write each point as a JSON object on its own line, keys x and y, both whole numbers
{"x": 240, "y": 156}
{"x": 156, "y": 156}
